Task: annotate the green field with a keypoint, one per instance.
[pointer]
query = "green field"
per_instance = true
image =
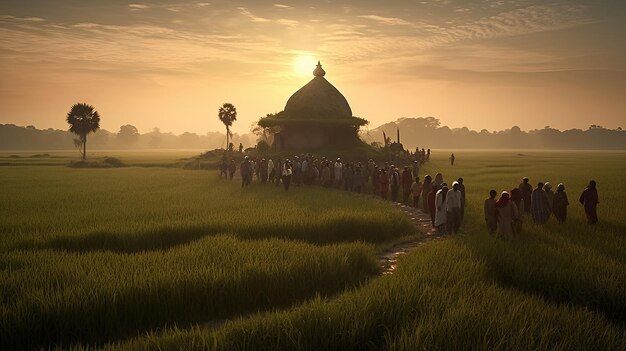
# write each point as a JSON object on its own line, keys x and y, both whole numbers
{"x": 158, "y": 257}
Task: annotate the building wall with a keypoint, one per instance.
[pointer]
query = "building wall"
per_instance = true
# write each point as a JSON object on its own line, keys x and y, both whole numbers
{"x": 303, "y": 138}
{"x": 310, "y": 137}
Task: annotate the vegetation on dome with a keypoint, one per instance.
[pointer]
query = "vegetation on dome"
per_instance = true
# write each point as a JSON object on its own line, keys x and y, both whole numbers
{"x": 284, "y": 119}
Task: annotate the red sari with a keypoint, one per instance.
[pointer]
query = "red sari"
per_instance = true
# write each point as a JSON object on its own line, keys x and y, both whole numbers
{"x": 383, "y": 185}
{"x": 431, "y": 205}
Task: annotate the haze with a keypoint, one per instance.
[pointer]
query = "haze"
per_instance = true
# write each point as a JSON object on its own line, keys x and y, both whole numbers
{"x": 171, "y": 64}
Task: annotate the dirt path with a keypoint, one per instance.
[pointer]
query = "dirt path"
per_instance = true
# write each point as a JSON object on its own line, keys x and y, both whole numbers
{"x": 388, "y": 259}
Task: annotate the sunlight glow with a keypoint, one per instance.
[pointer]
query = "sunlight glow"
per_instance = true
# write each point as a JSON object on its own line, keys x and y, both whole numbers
{"x": 304, "y": 64}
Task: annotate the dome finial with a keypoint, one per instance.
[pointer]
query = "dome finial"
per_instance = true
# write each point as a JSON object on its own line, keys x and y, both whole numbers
{"x": 319, "y": 71}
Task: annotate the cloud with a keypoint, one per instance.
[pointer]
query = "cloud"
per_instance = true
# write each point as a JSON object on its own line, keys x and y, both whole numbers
{"x": 531, "y": 19}
{"x": 387, "y": 20}
{"x": 181, "y": 42}
{"x": 21, "y": 19}
{"x": 138, "y": 6}
{"x": 283, "y": 6}
{"x": 244, "y": 11}
{"x": 287, "y": 22}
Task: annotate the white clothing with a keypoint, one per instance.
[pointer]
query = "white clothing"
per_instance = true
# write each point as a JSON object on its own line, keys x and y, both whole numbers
{"x": 440, "y": 203}
{"x": 286, "y": 171}
{"x": 270, "y": 166}
{"x": 338, "y": 171}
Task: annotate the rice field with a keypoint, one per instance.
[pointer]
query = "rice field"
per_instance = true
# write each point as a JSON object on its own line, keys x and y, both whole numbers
{"x": 158, "y": 258}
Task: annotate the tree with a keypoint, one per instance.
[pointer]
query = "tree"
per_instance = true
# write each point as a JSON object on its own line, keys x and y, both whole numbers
{"x": 128, "y": 134}
{"x": 83, "y": 119}
{"x": 227, "y": 114}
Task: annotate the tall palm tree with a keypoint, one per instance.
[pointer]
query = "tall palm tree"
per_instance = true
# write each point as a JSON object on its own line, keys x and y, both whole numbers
{"x": 227, "y": 114}
{"x": 83, "y": 119}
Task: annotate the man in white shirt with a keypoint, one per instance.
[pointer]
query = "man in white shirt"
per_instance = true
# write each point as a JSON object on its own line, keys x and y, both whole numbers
{"x": 453, "y": 208}
{"x": 270, "y": 170}
{"x": 338, "y": 173}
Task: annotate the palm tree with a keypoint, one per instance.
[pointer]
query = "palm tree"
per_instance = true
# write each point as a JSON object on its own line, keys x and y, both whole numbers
{"x": 83, "y": 119}
{"x": 227, "y": 114}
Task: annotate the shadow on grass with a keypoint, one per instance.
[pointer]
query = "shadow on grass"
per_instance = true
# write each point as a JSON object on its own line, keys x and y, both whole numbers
{"x": 329, "y": 232}
{"x": 541, "y": 265}
{"x": 124, "y": 314}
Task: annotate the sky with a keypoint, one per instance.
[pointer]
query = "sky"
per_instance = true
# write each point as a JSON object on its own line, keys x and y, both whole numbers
{"x": 481, "y": 64}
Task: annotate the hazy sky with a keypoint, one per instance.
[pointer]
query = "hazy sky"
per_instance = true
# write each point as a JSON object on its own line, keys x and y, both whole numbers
{"x": 481, "y": 64}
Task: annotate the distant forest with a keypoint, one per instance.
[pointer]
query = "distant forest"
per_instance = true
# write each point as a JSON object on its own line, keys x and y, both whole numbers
{"x": 424, "y": 132}
{"x": 427, "y": 132}
{"x": 14, "y": 137}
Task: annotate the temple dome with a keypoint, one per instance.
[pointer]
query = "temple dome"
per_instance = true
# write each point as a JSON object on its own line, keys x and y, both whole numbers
{"x": 317, "y": 99}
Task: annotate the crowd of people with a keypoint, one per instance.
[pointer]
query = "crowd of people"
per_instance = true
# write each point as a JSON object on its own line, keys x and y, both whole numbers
{"x": 445, "y": 204}
{"x": 506, "y": 215}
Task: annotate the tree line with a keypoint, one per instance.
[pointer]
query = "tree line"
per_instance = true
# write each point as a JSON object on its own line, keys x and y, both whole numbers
{"x": 13, "y": 137}
{"x": 429, "y": 133}
{"x": 422, "y": 131}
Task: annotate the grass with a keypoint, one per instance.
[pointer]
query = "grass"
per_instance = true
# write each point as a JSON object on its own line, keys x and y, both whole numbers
{"x": 55, "y": 298}
{"x": 95, "y": 255}
{"x": 135, "y": 263}
{"x": 418, "y": 307}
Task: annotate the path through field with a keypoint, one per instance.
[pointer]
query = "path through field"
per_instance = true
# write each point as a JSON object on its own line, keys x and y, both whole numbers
{"x": 388, "y": 259}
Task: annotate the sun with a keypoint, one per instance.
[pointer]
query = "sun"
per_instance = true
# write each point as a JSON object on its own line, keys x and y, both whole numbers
{"x": 303, "y": 65}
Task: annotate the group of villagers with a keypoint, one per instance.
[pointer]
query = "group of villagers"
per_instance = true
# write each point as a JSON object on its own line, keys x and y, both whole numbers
{"x": 444, "y": 203}
{"x": 506, "y": 215}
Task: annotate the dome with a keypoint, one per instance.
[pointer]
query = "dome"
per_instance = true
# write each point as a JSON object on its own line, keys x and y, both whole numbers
{"x": 318, "y": 99}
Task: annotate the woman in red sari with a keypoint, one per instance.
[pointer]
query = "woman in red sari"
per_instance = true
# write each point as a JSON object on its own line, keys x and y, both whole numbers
{"x": 383, "y": 184}
{"x": 518, "y": 199}
{"x": 432, "y": 208}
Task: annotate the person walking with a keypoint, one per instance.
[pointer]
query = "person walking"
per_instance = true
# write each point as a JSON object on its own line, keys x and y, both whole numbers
{"x": 287, "y": 173}
{"x": 547, "y": 187}
{"x": 540, "y": 208}
{"x": 431, "y": 199}
{"x": 325, "y": 175}
{"x": 491, "y": 212}
{"x": 507, "y": 213}
{"x": 516, "y": 197}
{"x": 439, "y": 180}
{"x": 223, "y": 168}
{"x": 416, "y": 169}
{"x": 338, "y": 171}
{"x": 452, "y": 158}
{"x": 245, "y": 171}
{"x": 270, "y": 170}
{"x": 425, "y": 191}
{"x": 278, "y": 166}
{"x": 358, "y": 179}
{"x": 395, "y": 183}
{"x": 416, "y": 190}
{"x": 348, "y": 176}
{"x": 453, "y": 209}
{"x": 560, "y": 203}
{"x": 232, "y": 168}
{"x": 589, "y": 199}
{"x": 526, "y": 190}
{"x": 462, "y": 190}
{"x": 383, "y": 183}
{"x": 263, "y": 171}
{"x": 440, "y": 206}
{"x": 407, "y": 182}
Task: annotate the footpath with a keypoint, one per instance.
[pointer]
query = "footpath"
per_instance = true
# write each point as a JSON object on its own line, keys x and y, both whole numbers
{"x": 389, "y": 258}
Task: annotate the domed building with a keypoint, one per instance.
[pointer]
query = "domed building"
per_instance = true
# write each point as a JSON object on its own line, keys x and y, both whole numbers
{"x": 315, "y": 116}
